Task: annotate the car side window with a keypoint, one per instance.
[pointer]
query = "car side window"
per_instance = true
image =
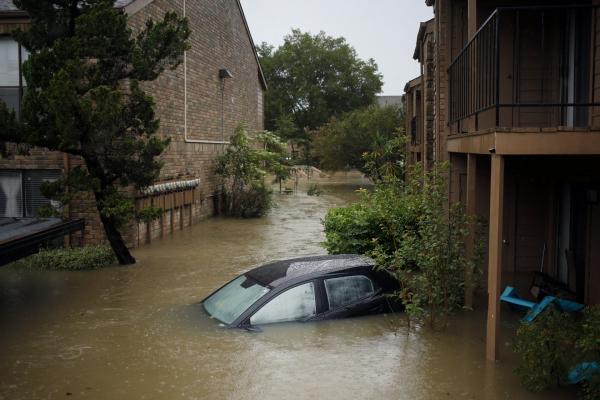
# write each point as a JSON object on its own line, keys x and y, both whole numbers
{"x": 294, "y": 304}
{"x": 347, "y": 289}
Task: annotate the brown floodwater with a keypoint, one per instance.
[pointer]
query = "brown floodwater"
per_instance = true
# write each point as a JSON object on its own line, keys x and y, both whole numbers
{"x": 139, "y": 333}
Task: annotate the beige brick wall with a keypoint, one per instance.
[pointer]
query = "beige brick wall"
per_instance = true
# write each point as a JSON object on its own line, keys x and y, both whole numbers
{"x": 442, "y": 47}
{"x": 219, "y": 40}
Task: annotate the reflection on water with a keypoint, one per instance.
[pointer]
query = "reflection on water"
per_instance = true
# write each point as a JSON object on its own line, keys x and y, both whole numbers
{"x": 138, "y": 332}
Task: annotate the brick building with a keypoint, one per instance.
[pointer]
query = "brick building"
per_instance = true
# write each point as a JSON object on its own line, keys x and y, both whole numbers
{"x": 508, "y": 92}
{"x": 219, "y": 85}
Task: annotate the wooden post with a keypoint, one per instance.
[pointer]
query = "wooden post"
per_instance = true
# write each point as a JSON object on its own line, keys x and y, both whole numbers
{"x": 472, "y": 18}
{"x": 495, "y": 255}
{"x": 67, "y": 206}
{"x": 471, "y": 211}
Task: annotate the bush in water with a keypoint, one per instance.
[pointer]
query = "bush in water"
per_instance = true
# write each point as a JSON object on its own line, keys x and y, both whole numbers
{"x": 408, "y": 228}
{"x": 77, "y": 258}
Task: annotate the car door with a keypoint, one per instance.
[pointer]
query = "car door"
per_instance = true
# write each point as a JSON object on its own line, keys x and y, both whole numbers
{"x": 298, "y": 303}
{"x": 352, "y": 295}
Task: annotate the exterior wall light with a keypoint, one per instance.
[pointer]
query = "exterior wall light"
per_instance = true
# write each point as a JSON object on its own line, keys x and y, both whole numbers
{"x": 225, "y": 73}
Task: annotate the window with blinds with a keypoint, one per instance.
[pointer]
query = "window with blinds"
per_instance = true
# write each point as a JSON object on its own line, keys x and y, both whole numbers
{"x": 20, "y": 194}
{"x": 259, "y": 103}
{"x": 12, "y": 82}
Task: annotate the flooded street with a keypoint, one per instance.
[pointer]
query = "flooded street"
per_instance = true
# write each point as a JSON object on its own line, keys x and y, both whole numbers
{"x": 139, "y": 333}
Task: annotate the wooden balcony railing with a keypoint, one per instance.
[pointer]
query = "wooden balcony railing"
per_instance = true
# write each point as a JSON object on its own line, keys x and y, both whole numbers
{"x": 528, "y": 66}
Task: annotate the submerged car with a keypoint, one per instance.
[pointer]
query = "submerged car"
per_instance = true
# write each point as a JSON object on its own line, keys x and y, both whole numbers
{"x": 303, "y": 289}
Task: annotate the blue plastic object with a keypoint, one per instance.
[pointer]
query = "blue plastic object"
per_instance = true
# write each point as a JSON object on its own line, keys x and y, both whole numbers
{"x": 510, "y": 296}
{"x": 583, "y": 372}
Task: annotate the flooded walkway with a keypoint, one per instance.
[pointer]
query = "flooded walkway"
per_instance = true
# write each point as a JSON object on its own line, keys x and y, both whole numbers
{"x": 138, "y": 332}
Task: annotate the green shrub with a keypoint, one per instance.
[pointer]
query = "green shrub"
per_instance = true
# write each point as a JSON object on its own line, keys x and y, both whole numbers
{"x": 77, "y": 258}
{"x": 545, "y": 349}
{"x": 407, "y": 227}
{"x": 590, "y": 390}
{"x": 588, "y": 344}
{"x": 242, "y": 169}
{"x": 377, "y": 220}
{"x": 254, "y": 201}
{"x": 551, "y": 346}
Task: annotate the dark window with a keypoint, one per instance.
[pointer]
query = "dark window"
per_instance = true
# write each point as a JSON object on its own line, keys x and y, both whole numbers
{"x": 12, "y": 56}
{"x": 347, "y": 289}
{"x": 20, "y": 191}
{"x": 413, "y": 130}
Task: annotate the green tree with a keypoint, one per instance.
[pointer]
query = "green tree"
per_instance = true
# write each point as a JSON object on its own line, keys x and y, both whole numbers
{"x": 314, "y": 77}
{"x": 243, "y": 168}
{"x": 344, "y": 141}
{"x": 84, "y": 98}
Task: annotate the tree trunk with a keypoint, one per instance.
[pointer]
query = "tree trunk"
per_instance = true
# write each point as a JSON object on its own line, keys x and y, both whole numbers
{"x": 114, "y": 237}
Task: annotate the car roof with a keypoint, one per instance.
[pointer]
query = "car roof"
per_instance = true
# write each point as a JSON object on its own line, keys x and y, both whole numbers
{"x": 279, "y": 272}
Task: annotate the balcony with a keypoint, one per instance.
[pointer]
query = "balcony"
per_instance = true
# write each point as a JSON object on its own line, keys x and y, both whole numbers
{"x": 528, "y": 70}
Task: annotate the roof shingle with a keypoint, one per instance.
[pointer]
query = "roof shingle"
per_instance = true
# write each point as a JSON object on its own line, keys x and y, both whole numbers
{"x": 8, "y": 5}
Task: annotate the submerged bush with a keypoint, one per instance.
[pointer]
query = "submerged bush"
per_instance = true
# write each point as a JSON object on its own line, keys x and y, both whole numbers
{"x": 242, "y": 169}
{"x": 556, "y": 342}
{"x": 377, "y": 220}
{"x": 408, "y": 228}
{"x": 545, "y": 350}
{"x": 77, "y": 258}
{"x": 253, "y": 201}
{"x": 588, "y": 345}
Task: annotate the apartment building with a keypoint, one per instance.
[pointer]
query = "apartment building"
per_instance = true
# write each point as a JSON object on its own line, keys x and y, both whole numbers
{"x": 513, "y": 92}
{"x": 219, "y": 85}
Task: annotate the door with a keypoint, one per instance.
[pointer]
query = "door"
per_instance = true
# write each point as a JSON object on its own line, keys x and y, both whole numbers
{"x": 295, "y": 304}
{"x": 592, "y": 275}
{"x": 351, "y": 295}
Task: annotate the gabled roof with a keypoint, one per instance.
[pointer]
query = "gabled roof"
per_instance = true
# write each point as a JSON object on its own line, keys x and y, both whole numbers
{"x": 412, "y": 83}
{"x": 424, "y": 27}
{"x": 261, "y": 75}
{"x": 132, "y": 6}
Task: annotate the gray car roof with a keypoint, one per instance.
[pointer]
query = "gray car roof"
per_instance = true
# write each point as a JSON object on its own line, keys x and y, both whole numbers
{"x": 278, "y": 272}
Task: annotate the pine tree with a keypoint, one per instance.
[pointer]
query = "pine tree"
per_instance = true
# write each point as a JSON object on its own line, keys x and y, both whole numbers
{"x": 84, "y": 98}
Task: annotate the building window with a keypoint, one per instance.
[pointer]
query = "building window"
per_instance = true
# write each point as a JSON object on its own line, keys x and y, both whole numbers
{"x": 20, "y": 194}
{"x": 260, "y": 105}
{"x": 12, "y": 56}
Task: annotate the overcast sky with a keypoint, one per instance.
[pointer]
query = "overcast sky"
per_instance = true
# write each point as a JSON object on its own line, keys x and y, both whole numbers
{"x": 385, "y": 30}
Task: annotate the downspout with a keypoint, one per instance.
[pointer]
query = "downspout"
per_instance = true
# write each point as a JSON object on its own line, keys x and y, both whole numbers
{"x": 185, "y": 106}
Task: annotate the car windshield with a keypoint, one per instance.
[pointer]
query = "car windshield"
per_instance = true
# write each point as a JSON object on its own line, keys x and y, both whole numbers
{"x": 229, "y": 302}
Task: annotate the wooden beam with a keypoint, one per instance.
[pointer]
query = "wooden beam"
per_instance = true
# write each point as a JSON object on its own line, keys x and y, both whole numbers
{"x": 472, "y": 18}
{"x": 495, "y": 255}
{"x": 471, "y": 209}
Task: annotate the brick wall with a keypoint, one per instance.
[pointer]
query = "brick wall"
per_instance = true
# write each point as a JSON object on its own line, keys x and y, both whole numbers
{"x": 442, "y": 46}
{"x": 429, "y": 72}
{"x": 219, "y": 40}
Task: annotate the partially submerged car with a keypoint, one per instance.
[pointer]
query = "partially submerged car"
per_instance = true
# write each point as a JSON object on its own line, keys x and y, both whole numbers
{"x": 303, "y": 289}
